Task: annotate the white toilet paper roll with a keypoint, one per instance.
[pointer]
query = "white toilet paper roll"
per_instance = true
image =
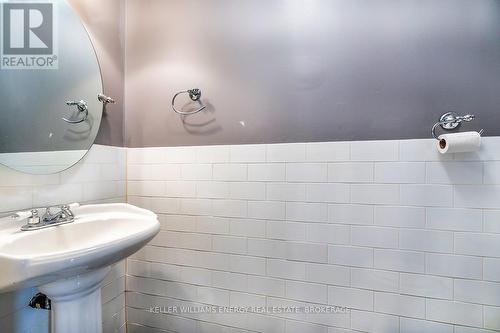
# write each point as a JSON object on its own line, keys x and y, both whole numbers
{"x": 459, "y": 142}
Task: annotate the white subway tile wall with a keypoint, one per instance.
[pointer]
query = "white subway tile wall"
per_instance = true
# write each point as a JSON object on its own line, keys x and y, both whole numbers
{"x": 406, "y": 238}
{"x": 98, "y": 177}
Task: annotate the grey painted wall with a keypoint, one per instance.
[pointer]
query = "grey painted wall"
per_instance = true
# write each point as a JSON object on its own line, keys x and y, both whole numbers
{"x": 105, "y": 22}
{"x": 315, "y": 70}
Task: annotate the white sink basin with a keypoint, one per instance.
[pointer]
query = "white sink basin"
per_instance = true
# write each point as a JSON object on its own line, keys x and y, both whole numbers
{"x": 68, "y": 262}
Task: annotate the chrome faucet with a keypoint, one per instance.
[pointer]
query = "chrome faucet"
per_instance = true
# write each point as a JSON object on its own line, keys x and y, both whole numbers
{"x": 64, "y": 214}
{"x": 49, "y": 219}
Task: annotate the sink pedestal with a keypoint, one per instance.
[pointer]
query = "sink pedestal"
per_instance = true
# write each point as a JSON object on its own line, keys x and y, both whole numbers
{"x": 76, "y": 302}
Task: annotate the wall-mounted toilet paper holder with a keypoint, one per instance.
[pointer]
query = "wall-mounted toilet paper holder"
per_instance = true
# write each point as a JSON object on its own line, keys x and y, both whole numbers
{"x": 450, "y": 121}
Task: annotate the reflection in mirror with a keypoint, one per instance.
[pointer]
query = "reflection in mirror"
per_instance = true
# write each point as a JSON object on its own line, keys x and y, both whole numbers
{"x": 49, "y": 84}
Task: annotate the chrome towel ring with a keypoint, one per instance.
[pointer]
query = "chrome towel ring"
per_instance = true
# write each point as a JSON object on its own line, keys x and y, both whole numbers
{"x": 195, "y": 95}
{"x": 450, "y": 121}
{"x": 82, "y": 109}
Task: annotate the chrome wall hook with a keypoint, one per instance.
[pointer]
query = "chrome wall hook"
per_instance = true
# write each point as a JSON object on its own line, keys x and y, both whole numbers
{"x": 82, "y": 108}
{"x": 450, "y": 121}
{"x": 194, "y": 95}
{"x": 105, "y": 99}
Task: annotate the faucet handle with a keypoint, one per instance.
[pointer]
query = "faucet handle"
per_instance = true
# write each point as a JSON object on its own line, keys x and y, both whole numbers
{"x": 34, "y": 218}
{"x": 66, "y": 209}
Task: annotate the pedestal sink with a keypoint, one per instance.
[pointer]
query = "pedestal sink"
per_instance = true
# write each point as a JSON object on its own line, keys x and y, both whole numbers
{"x": 69, "y": 262}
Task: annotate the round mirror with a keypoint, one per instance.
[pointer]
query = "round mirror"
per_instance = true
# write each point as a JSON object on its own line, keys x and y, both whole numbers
{"x": 49, "y": 83}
